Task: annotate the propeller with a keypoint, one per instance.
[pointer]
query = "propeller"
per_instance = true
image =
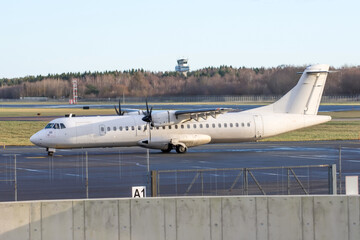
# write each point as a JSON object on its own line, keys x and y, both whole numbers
{"x": 147, "y": 118}
{"x": 119, "y": 112}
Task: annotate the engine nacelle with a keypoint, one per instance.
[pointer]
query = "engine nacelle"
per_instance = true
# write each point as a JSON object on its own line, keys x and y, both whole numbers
{"x": 164, "y": 118}
{"x": 155, "y": 143}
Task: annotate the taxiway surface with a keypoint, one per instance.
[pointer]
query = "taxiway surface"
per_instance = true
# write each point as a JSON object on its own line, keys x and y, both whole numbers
{"x": 113, "y": 171}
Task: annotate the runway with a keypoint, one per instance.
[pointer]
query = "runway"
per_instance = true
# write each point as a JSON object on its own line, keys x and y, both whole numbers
{"x": 113, "y": 171}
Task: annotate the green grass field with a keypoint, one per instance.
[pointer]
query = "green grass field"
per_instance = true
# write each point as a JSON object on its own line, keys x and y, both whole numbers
{"x": 18, "y": 132}
{"x": 337, "y": 130}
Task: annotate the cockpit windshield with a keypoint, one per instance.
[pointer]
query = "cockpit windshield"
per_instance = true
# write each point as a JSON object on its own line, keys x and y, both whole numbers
{"x": 55, "y": 126}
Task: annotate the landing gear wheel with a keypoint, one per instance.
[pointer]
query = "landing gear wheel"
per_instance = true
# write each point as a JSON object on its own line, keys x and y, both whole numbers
{"x": 51, "y": 151}
{"x": 181, "y": 149}
{"x": 168, "y": 149}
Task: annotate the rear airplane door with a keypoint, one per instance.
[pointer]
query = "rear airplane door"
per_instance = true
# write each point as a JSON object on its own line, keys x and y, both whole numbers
{"x": 259, "y": 129}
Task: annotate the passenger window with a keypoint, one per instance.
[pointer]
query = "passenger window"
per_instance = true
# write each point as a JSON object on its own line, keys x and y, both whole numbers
{"x": 242, "y": 124}
{"x": 236, "y": 124}
{"x": 163, "y": 127}
{"x": 176, "y": 126}
{"x": 231, "y": 125}
{"x": 213, "y": 125}
{"x": 248, "y": 124}
{"x": 219, "y": 125}
{"x": 194, "y": 125}
{"x": 225, "y": 124}
{"x": 127, "y": 128}
{"x": 182, "y": 126}
{"x": 120, "y": 128}
{"x": 169, "y": 127}
{"x": 132, "y": 128}
{"x": 62, "y": 126}
{"x": 114, "y": 128}
{"x": 188, "y": 125}
{"x": 157, "y": 128}
{"x": 207, "y": 125}
{"x": 201, "y": 126}
{"x": 108, "y": 128}
{"x": 139, "y": 127}
{"x": 102, "y": 129}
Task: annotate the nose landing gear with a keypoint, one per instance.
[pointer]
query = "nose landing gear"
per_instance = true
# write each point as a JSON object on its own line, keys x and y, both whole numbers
{"x": 51, "y": 151}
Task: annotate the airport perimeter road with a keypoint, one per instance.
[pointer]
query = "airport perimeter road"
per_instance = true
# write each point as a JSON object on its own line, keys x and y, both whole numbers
{"x": 112, "y": 171}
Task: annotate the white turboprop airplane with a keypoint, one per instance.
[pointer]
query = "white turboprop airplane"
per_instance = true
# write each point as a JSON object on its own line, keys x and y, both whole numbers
{"x": 167, "y": 130}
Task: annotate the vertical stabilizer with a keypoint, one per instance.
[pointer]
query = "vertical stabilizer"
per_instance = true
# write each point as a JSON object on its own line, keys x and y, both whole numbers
{"x": 305, "y": 97}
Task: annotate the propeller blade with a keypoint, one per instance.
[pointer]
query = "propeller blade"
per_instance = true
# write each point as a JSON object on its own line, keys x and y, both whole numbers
{"x": 149, "y": 133}
{"x": 121, "y": 113}
{"x": 117, "y": 112}
{"x": 147, "y": 118}
{"x": 147, "y": 107}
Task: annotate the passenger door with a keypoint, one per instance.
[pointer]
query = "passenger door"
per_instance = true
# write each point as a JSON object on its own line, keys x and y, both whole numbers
{"x": 259, "y": 129}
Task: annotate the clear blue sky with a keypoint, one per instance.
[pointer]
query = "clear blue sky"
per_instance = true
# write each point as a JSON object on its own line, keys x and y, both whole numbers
{"x": 42, "y": 36}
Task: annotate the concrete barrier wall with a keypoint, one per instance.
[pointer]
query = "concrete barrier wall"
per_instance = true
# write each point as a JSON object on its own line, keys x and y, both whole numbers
{"x": 280, "y": 217}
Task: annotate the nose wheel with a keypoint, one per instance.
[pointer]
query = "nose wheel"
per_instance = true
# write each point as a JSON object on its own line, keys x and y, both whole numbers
{"x": 50, "y": 151}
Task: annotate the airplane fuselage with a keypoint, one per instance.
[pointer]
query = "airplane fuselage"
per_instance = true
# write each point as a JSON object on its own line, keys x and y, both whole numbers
{"x": 124, "y": 131}
{"x": 182, "y": 129}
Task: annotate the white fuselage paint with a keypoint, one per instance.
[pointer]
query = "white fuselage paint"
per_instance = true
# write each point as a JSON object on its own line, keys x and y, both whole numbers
{"x": 104, "y": 131}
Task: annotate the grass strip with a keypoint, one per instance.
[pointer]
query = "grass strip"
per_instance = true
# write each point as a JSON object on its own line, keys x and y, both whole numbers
{"x": 337, "y": 130}
{"x": 18, "y": 133}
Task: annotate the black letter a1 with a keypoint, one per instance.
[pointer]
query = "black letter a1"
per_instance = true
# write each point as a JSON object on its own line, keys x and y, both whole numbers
{"x": 136, "y": 194}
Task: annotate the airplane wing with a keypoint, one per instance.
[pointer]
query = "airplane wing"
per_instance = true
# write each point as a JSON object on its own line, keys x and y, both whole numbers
{"x": 201, "y": 113}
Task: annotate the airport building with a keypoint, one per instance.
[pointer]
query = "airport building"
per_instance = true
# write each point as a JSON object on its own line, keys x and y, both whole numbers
{"x": 182, "y": 66}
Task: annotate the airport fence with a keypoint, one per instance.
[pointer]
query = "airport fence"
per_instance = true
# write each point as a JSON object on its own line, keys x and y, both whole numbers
{"x": 8, "y": 176}
{"x": 296, "y": 180}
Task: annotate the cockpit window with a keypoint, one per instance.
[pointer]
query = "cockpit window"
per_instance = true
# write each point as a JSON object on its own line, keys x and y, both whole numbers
{"x": 50, "y": 125}
{"x": 55, "y": 126}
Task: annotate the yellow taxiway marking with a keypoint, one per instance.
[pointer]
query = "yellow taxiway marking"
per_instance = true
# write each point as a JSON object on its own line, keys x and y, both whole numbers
{"x": 35, "y": 157}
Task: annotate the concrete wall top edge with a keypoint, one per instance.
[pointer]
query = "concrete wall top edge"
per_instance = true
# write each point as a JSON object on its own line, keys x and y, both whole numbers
{"x": 181, "y": 197}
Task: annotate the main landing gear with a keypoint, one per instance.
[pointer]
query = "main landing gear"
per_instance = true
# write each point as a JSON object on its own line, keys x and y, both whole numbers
{"x": 168, "y": 149}
{"x": 180, "y": 148}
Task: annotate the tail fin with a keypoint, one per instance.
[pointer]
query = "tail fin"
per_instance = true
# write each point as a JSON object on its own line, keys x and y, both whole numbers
{"x": 305, "y": 97}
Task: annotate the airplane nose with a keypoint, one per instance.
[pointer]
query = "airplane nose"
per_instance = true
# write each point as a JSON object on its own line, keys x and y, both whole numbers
{"x": 35, "y": 139}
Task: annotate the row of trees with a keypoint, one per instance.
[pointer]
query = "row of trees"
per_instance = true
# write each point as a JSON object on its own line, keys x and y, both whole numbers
{"x": 223, "y": 80}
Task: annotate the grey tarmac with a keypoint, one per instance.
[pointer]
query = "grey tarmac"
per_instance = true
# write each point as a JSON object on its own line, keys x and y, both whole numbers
{"x": 113, "y": 171}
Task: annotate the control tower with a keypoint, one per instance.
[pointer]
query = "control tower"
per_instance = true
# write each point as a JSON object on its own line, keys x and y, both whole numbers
{"x": 182, "y": 66}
